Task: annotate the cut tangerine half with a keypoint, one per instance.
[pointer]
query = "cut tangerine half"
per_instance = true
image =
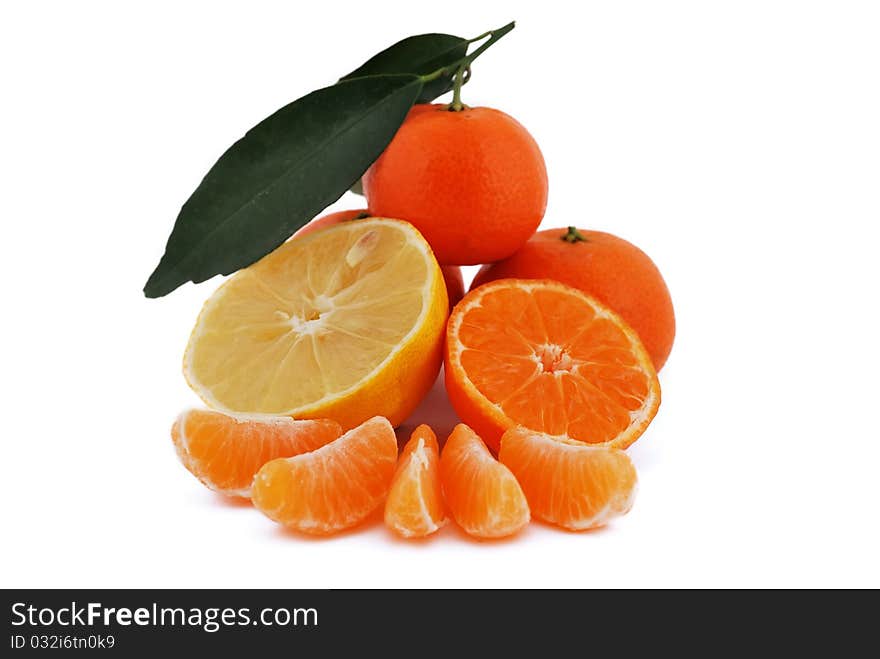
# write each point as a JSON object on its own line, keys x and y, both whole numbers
{"x": 225, "y": 451}
{"x": 545, "y": 356}
{"x": 571, "y": 484}
{"x": 334, "y": 487}
{"x": 414, "y": 508}
{"x": 482, "y": 494}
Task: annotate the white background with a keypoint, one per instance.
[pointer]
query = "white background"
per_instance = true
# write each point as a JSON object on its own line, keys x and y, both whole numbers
{"x": 738, "y": 143}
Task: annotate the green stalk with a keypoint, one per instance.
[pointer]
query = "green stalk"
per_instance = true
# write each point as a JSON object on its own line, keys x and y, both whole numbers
{"x": 457, "y": 105}
{"x": 467, "y": 60}
{"x": 573, "y": 236}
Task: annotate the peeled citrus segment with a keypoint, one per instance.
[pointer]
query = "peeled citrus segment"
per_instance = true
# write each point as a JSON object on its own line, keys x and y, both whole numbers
{"x": 225, "y": 451}
{"x": 334, "y": 487}
{"x": 414, "y": 508}
{"x": 571, "y": 484}
{"x": 345, "y": 323}
{"x": 542, "y": 355}
{"x": 482, "y": 494}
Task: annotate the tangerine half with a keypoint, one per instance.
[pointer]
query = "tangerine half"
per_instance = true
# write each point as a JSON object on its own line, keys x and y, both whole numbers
{"x": 545, "y": 356}
{"x": 608, "y": 268}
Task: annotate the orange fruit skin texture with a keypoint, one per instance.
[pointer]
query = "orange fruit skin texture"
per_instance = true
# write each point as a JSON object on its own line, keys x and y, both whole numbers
{"x": 451, "y": 274}
{"x": 568, "y": 483}
{"x": 482, "y": 494}
{"x": 537, "y": 353}
{"x": 454, "y": 283}
{"x": 473, "y": 182}
{"x": 614, "y": 271}
{"x": 414, "y": 507}
{"x": 225, "y": 452}
{"x": 334, "y": 487}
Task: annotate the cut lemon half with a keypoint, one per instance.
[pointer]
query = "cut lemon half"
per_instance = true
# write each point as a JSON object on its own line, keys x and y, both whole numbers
{"x": 345, "y": 323}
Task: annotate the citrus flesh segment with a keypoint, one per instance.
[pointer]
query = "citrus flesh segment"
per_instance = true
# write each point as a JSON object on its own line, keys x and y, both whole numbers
{"x": 334, "y": 487}
{"x": 329, "y": 325}
{"x": 482, "y": 494}
{"x": 225, "y": 451}
{"x": 545, "y": 356}
{"x": 414, "y": 507}
{"x": 571, "y": 484}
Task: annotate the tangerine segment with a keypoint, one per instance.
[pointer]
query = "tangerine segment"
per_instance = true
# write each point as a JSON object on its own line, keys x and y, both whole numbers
{"x": 225, "y": 451}
{"x": 568, "y": 483}
{"x": 542, "y": 355}
{"x": 414, "y": 508}
{"x": 482, "y": 494}
{"x": 329, "y": 325}
{"x": 334, "y": 487}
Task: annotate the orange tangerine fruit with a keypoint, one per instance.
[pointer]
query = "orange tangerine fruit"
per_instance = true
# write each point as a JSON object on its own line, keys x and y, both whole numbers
{"x": 571, "y": 484}
{"x": 224, "y": 451}
{"x": 482, "y": 494}
{"x": 334, "y": 487}
{"x": 473, "y": 182}
{"x": 545, "y": 356}
{"x": 454, "y": 283}
{"x": 414, "y": 508}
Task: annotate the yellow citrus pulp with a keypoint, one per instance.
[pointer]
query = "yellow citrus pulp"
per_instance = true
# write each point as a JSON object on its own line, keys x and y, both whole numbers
{"x": 345, "y": 323}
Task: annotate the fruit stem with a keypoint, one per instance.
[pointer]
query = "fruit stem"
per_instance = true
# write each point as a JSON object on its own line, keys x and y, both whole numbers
{"x": 574, "y": 236}
{"x": 457, "y": 105}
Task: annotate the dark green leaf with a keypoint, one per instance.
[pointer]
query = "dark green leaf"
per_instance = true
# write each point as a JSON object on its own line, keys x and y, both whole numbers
{"x": 282, "y": 173}
{"x": 419, "y": 55}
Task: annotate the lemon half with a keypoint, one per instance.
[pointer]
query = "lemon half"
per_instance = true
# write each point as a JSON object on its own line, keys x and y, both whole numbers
{"x": 344, "y": 323}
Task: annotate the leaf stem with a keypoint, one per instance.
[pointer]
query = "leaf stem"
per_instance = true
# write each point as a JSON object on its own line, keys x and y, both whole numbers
{"x": 482, "y": 36}
{"x": 467, "y": 60}
{"x": 494, "y": 35}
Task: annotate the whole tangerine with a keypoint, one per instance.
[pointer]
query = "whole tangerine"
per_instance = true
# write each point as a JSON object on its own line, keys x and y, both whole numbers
{"x": 473, "y": 182}
{"x": 614, "y": 271}
{"x": 451, "y": 273}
